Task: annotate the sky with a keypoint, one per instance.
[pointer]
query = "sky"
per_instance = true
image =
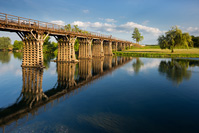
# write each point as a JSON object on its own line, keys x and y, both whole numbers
{"x": 111, "y": 17}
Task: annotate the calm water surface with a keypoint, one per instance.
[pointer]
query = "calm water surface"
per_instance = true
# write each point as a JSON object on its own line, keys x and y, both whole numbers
{"x": 104, "y": 95}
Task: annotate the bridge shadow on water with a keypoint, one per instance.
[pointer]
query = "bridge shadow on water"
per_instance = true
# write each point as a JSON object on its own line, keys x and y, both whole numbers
{"x": 71, "y": 79}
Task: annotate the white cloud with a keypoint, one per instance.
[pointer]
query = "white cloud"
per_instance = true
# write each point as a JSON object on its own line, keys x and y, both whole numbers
{"x": 59, "y": 22}
{"x": 109, "y": 20}
{"x": 145, "y": 22}
{"x": 129, "y": 26}
{"x": 101, "y": 18}
{"x": 123, "y": 28}
{"x": 85, "y": 11}
{"x": 192, "y": 30}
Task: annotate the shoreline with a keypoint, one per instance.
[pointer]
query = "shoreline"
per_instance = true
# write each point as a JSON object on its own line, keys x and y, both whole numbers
{"x": 159, "y": 55}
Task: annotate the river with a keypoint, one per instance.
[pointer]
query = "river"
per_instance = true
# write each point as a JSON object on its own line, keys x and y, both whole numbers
{"x": 110, "y": 94}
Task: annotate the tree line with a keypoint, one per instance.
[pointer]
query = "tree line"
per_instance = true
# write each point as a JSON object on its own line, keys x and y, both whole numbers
{"x": 174, "y": 38}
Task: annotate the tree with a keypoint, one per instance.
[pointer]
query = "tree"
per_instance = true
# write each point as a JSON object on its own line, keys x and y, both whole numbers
{"x": 76, "y": 46}
{"x": 5, "y": 42}
{"x": 137, "y": 35}
{"x": 68, "y": 27}
{"x": 175, "y": 38}
{"x": 18, "y": 45}
{"x": 76, "y": 29}
{"x": 195, "y": 41}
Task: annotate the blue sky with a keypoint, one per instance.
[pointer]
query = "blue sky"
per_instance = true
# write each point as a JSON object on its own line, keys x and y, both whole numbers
{"x": 111, "y": 17}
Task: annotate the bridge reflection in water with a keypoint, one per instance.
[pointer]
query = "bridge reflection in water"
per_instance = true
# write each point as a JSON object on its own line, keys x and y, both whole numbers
{"x": 70, "y": 81}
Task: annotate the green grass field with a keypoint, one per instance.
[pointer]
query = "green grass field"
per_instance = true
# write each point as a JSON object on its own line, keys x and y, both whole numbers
{"x": 157, "y": 52}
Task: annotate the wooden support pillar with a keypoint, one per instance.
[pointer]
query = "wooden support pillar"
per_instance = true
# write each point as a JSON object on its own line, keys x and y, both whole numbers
{"x": 85, "y": 48}
{"x": 119, "y": 46}
{"x": 123, "y": 46}
{"x": 108, "y": 48}
{"x": 98, "y": 50}
{"x": 66, "y": 50}
{"x": 32, "y": 48}
{"x": 114, "y": 46}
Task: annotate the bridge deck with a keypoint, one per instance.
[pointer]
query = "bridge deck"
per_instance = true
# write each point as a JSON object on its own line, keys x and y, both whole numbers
{"x": 13, "y": 23}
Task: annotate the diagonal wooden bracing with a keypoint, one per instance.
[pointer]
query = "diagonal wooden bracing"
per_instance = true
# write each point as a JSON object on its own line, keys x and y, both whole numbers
{"x": 85, "y": 48}
{"x": 32, "y": 48}
{"x": 66, "y": 51}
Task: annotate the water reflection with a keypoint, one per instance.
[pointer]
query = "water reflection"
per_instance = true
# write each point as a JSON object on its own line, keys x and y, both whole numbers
{"x": 175, "y": 70}
{"x": 18, "y": 55}
{"x": 70, "y": 78}
{"x": 137, "y": 65}
{"x": 5, "y": 57}
{"x": 32, "y": 91}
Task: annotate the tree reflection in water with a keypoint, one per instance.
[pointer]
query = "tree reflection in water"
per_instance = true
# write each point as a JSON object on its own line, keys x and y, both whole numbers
{"x": 176, "y": 70}
{"x": 5, "y": 57}
{"x": 137, "y": 65}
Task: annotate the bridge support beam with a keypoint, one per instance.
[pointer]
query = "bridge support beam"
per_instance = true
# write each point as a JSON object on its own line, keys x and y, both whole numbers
{"x": 123, "y": 46}
{"x": 114, "y": 46}
{"x": 85, "y": 48}
{"x": 32, "y": 48}
{"x": 98, "y": 50}
{"x": 108, "y": 48}
{"x": 119, "y": 46}
{"x": 66, "y": 51}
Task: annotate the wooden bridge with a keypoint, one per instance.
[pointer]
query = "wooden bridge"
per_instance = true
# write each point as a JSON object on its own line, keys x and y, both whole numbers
{"x": 33, "y": 33}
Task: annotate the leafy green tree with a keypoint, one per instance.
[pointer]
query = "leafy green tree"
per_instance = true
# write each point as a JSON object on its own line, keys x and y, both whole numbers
{"x": 195, "y": 41}
{"x": 76, "y": 46}
{"x": 76, "y": 29}
{"x": 48, "y": 46}
{"x": 137, "y": 35}
{"x": 175, "y": 38}
{"x": 68, "y": 27}
{"x": 18, "y": 45}
{"x": 5, "y": 43}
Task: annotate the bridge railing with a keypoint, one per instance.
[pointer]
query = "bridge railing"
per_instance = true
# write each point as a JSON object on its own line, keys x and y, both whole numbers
{"x": 20, "y": 21}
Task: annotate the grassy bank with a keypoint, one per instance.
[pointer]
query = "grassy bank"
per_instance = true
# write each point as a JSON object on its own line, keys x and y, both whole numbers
{"x": 191, "y": 53}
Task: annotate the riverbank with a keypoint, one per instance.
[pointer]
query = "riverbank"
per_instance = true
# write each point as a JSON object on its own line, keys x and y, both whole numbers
{"x": 165, "y": 53}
